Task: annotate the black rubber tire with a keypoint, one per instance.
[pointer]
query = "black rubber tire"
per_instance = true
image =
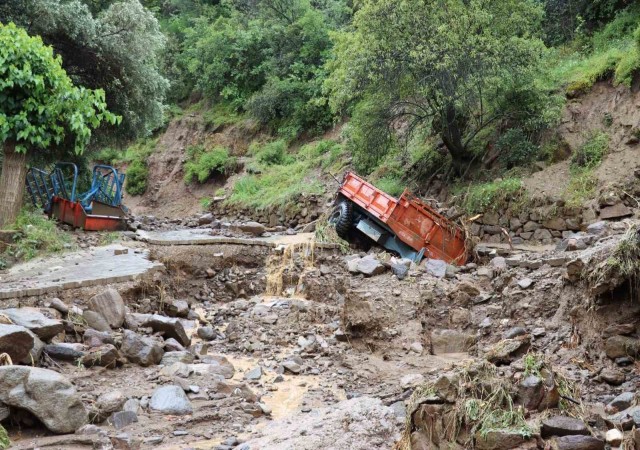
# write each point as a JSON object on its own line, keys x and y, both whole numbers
{"x": 342, "y": 218}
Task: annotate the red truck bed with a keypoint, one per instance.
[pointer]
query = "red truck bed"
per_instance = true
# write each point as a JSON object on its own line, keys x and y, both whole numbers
{"x": 413, "y": 221}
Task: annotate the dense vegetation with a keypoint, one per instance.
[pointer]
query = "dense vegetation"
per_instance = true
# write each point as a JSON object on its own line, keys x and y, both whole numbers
{"x": 423, "y": 89}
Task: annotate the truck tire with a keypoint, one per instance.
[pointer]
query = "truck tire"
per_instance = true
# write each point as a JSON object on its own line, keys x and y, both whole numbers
{"x": 342, "y": 217}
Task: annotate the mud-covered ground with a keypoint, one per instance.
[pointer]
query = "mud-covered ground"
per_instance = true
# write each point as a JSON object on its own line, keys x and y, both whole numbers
{"x": 299, "y": 349}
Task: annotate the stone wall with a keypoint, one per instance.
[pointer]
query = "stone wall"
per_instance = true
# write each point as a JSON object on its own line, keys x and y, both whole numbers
{"x": 302, "y": 210}
{"x": 549, "y": 223}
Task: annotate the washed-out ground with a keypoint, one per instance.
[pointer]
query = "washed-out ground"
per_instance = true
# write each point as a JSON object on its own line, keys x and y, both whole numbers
{"x": 275, "y": 342}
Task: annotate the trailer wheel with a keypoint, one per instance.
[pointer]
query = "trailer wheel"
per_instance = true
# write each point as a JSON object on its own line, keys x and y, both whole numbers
{"x": 342, "y": 217}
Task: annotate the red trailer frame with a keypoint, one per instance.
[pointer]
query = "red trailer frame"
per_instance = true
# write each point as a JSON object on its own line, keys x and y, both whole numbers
{"x": 414, "y": 222}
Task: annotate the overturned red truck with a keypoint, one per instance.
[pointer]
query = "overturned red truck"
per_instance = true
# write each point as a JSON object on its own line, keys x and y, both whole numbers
{"x": 406, "y": 225}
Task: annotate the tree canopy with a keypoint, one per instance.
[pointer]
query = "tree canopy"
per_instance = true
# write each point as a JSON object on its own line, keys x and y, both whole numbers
{"x": 440, "y": 64}
{"x": 111, "y": 45}
{"x": 39, "y": 105}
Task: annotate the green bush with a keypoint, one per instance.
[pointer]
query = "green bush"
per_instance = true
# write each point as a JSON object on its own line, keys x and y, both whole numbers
{"x": 274, "y": 153}
{"x": 136, "y": 179}
{"x": 516, "y": 149}
{"x": 108, "y": 155}
{"x": 37, "y": 235}
{"x": 590, "y": 154}
{"x": 390, "y": 185}
{"x": 206, "y": 163}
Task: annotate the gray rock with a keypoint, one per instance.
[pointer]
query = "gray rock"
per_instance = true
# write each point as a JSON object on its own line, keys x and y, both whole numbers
{"x": 612, "y": 376}
{"x": 121, "y": 419}
{"x": 34, "y": 320}
{"x": 171, "y": 345}
{"x": 65, "y": 351}
{"x": 170, "y": 358}
{"x": 615, "y": 211}
{"x": 177, "y": 369}
{"x": 622, "y": 401}
{"x": 563, "y": 426}
{"x": 254, "y": 228}
{"x": 207, "y": 333}
{"x": 46, "y": 394}
{"x": 132, "y": 405}
{"x": 292, "y": 366}
{"x": 95, "y": 338}
{"x": 96, "y": 321}
{"x": 109, "y": 403}
{"x": 177, "y": 308}
{"x": 59, "y": 305}
{"x": 170, "y": 400}
{"x": 416, "y": 347}
{"x": 253, "y": 374}
{"x": 215, "y": 364}
{"x": 205, "y": 219}
{"x": 577, "y": 442}
{"x": 597, "y": 228}
{"x": 451, "y": 341}
{"x": 514, "y": 332}
{"x": 106, "y": 356}
{"x": 370, "y": 266}
{"x": 141, "y": 350}
{"x": 508, "y": 350}
{"x": 436, "y": 268}
{"x": 530, "y": 392}
{"x": 171, "y": 327}
{"x": 400, "y": 271}
{"x": 499, "y": 440}
{"x": 109, "y": 304}
{"x": 35, "y": 353}
{"x": 16, "y": 341}
{"x": 525, "y": 283}
{"x": 619, "y": 346}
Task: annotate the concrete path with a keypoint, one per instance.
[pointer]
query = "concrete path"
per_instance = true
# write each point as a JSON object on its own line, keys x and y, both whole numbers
{"x": 202, "y": 237}
{"x": 102, "y": 265}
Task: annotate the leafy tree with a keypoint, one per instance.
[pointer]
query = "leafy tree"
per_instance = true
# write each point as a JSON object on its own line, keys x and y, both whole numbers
{"x": 39, "y": 107}
{"x": 107, "y": 44}
{"x": 442, "y": 63}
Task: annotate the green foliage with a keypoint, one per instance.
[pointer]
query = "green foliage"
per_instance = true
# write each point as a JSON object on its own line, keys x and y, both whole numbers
{"x": 492, "y": 196}
{"x": 390, "y": 185}
{"x": 442, "y": 66}
{"x": 590, "y": 154}
{"x": 136, "y": 179}
{"x": 205, "y": 163}
{"x": 5, "y": 443}
{"x": 516, "y": 149}
{"x": 274, "y": 153}
{"x": 279, "y": 183}
{"x": 206, "y": 203}
{"x": 39, "y": 105}
{"x": 37, "y": 235}
{"x": 114, "y": 48}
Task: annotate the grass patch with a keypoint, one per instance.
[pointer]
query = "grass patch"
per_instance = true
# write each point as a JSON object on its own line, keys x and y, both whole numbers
{"x": 203, "y": 164}
{"x": 136, "y": 179}
{"x": 622, "y": 264}
{"x": 390, "y": 185}
{"x": 493, "y": 196}
{"x": 582, "y": 187}
{"x": 591, "y": 153}
{"x": 206, "y": 202}
{"x": 37, "y": 236}
{"x": 220, "y": 115}
{"x": 4, "y": 439}
{"x": 281, "y": 176}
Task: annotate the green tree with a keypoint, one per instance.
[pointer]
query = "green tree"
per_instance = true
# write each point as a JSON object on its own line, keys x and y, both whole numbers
{"x": 39, "y": 107}
{"x": 104, "y": 44}
{"x": 442, "y": 63}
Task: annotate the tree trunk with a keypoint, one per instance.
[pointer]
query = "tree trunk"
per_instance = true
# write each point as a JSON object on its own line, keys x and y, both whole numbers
{"x": 12, "y": 179}
{"x": 451, "y": 135}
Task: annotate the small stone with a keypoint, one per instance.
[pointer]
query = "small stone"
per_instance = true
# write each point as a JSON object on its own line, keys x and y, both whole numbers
{"x": 32, "y": 319}
{"x": 65, "y": 351}
{"x": 562, "y": 426}
{"x": 96, "y": 321}
{"x": 612, "y": 376}
{"x": 614, "y": 437}
{"x": 59, "y": 305}
{"x": 416, "y": 347}
{"x": 253, "y": 374}
{"x": 177, "y": 308}
{"x": 525, "y": 283}
{"x": 514, "y": 332}
{"x": 141, "y": 350}
{"x": 95, "y": 338}
{"x": 292, "y": 366}
{"x": 109, "y": 304}
{"x": 207, "y": 333}
{"x": 16, "y": 341}
{"x": 132, "y": 405}
{"x": 411, "y": 380}
{"x": 436, "y": 268}
{"x": 121, "y": 419}
{"x": 170, "y": 358}
{"x": 370, "y": 266}
{"x": 621, "y": 402}
{"x": 577, "y": 442}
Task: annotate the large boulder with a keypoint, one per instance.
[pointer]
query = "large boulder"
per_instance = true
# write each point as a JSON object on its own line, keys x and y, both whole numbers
{"x": 109, "y": 304}
{"x": 141, "y": 350}
{"x": 16, "y": 341}
{"x": 618, "y": 346}
{"x": 170, "y": 400}
{"x": 172, "y": 328}
{"x": 46, "y": 394}
{"x": 34, "y": 320}
{"x": 563, "y": 426}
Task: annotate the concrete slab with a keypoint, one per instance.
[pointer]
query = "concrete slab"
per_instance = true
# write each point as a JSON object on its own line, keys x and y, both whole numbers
{"x": 102, "y": 265}
{"x": 202, "y": 237}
